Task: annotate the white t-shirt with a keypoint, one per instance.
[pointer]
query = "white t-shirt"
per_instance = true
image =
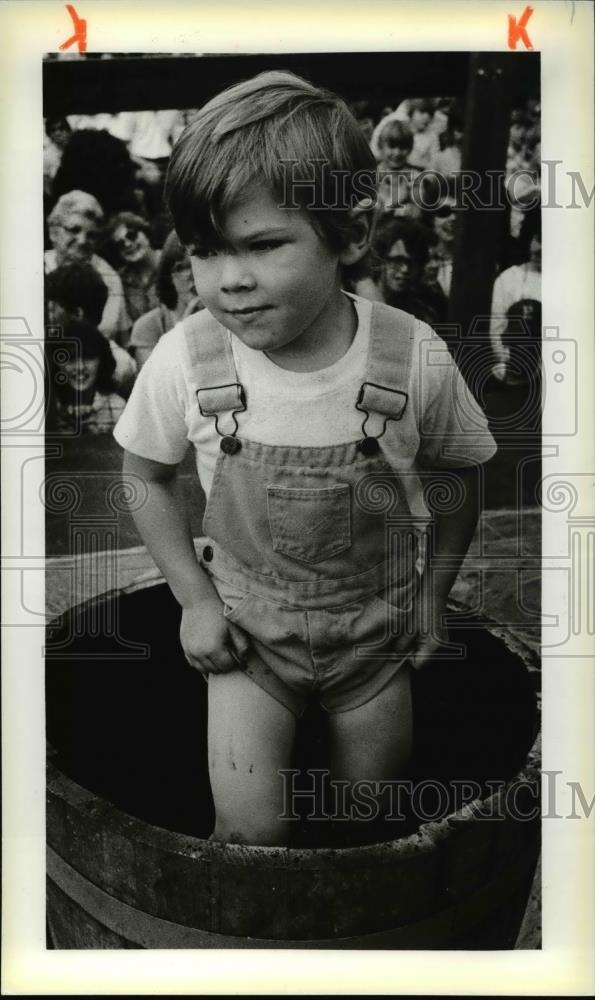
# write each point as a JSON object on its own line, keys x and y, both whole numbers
{"x": 512, "y": 285}
{"x": 307, "y": 409}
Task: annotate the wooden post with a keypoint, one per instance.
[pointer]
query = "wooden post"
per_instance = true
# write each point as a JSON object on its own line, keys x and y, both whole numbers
{"x": 495, "y": 79}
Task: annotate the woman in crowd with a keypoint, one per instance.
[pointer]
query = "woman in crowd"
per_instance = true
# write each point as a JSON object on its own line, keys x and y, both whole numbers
{"x": 74, "y": 227}
{"x": 81, "y": 393}
{"x": 177, "y": 299}
{"x": 136, "y": 261}
{"x": 76, "y": 291}
{"x": 443, "y": 218}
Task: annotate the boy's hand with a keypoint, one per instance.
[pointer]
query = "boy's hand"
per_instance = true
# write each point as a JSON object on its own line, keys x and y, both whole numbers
{"x": 207, "y": 639}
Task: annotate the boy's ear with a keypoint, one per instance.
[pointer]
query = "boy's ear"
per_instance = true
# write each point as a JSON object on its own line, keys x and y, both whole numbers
{"x": 363, "y": 220}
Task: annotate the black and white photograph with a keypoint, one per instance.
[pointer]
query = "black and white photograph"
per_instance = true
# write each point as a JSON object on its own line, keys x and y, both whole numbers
{"x": 299, "y": 429}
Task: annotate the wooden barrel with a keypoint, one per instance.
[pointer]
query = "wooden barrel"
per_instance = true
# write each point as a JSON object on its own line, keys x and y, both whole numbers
{"x": 129, "y": 806}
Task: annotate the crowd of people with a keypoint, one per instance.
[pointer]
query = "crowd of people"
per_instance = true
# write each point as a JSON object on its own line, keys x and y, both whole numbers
{"x": 117, "y": 277}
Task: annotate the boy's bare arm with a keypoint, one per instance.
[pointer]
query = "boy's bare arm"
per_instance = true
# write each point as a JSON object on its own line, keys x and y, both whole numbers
{"x": 447, "y": 546}
{"x": 163, "y": 524}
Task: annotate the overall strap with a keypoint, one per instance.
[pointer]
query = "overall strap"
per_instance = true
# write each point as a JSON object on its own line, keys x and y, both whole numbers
{"x": 213, "y": 367}
{"x": 388, "y": 365}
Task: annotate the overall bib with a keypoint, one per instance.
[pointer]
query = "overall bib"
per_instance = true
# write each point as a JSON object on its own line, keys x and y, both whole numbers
{"x": 301, "y": 541}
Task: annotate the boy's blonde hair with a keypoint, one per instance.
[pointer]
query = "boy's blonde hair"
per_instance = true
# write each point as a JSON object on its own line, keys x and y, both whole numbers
{"x": 299, "y": 141}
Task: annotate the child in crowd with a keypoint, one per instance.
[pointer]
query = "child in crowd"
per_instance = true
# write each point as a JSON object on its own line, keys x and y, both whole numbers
{"x": 313, "y": 414}
{"x": 81, "y": 390}
{"x": 391, "y": 143}
{"x": 77, "y": 291}
{"x": 177, "y": 299}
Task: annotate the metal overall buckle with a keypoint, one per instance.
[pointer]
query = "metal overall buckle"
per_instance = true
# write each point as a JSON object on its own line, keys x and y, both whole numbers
{"x": 229, "y": 443}
{"x": 369, "y": 445}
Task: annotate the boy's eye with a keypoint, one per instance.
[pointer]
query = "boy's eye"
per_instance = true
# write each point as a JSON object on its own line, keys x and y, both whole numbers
{"x": 200, "y": 251}
{"x": 266, "y": 244}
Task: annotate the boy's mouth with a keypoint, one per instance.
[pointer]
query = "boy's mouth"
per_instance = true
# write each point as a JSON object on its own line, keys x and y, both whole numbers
{"x": 248, "y": 312}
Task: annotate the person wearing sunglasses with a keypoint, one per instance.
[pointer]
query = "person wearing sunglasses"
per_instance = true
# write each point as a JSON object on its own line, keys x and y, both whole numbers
{"x": 136, "y": 261}
{"x": 438, "y": 269}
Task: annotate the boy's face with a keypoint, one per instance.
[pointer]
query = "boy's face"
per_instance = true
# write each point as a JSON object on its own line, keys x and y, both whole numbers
{"x": 274, "y": 282}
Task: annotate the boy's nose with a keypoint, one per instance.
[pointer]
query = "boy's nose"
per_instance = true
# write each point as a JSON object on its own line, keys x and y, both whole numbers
{"x": 236, "y": 274}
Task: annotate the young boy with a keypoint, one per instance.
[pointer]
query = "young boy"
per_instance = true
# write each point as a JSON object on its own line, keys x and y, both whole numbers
{"x": 312, "y": 414}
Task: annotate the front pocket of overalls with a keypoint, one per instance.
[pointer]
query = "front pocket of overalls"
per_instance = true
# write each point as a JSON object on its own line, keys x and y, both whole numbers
{"x": 310, "y": 525}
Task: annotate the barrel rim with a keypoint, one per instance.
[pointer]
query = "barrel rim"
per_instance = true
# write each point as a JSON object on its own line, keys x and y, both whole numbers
{"x": 424, "y": 839}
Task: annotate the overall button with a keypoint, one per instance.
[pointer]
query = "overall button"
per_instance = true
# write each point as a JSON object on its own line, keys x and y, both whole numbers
{"x": 230, "y": 445}
{"x": 369, "y": 446}
{"x": 207, "y": 553}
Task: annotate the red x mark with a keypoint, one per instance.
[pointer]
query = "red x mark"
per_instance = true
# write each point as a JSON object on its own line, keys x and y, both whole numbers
{"x": 80, "y": 31}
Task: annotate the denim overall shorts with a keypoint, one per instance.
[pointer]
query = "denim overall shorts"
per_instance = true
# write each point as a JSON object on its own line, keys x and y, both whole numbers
{"x": 297, "y": 538}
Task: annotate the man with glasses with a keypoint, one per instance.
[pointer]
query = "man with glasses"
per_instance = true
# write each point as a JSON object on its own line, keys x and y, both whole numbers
{"x": 402, "y": 246}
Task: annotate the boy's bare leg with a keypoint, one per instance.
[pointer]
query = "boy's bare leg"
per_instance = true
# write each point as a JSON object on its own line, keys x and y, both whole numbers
{"x": 373, "y": 743}
{"x": 250, "y": 737}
